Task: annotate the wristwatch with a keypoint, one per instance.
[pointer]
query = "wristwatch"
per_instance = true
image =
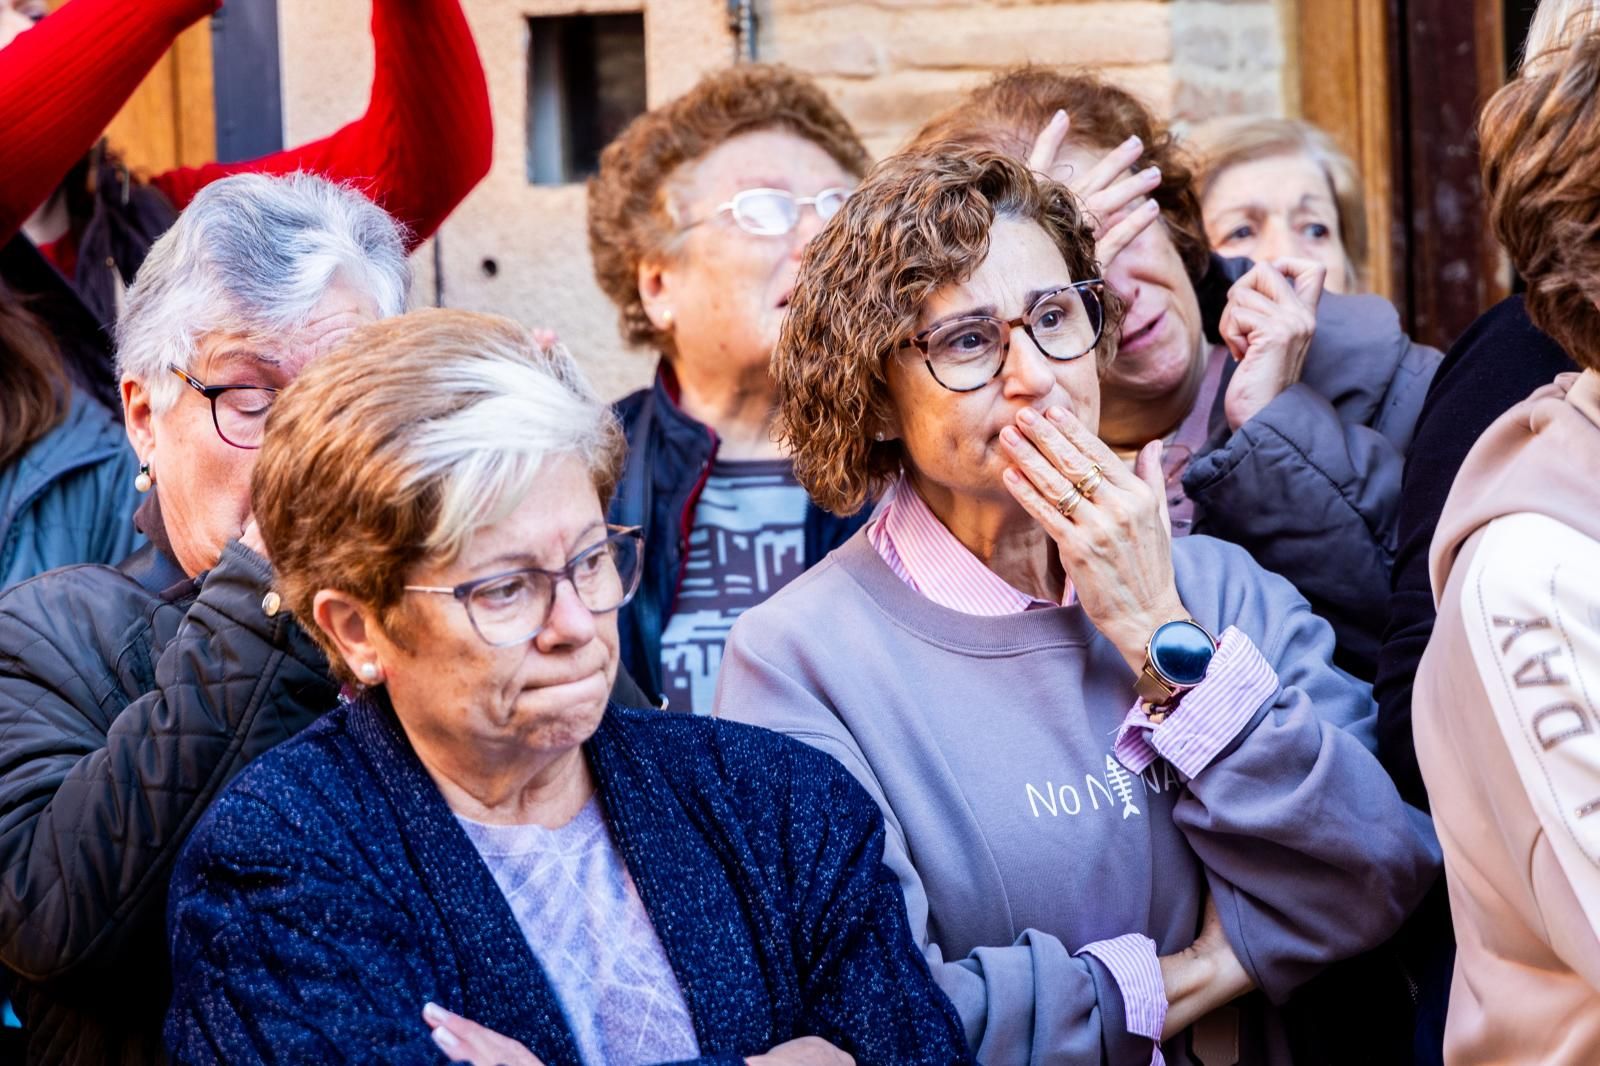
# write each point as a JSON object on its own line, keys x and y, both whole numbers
{"x": 1175, "y": 660}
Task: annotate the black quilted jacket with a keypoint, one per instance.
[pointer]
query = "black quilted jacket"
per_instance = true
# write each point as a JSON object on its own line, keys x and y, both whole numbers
{"x": 129, "y": 697}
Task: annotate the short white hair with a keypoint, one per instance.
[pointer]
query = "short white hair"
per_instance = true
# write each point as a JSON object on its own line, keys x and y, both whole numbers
{"x": 254, "y": 255}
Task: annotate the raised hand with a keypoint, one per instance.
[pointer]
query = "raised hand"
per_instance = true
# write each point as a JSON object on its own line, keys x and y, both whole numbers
{"x": 1115, "y": 199}
{"x": 1268, "y": 325}
{"x": 1111, "y": 530}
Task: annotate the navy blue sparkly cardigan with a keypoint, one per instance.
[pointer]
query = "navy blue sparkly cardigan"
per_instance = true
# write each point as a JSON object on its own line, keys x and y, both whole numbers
{"x": 330, "y": 892}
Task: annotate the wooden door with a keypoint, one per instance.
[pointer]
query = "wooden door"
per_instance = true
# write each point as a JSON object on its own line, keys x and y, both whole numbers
{"x": 169, "y": 121}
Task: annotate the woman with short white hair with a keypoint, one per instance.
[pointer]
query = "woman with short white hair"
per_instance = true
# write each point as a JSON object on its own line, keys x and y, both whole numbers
{"x": 477, "y": 834}
{"x": 130, "y": 695}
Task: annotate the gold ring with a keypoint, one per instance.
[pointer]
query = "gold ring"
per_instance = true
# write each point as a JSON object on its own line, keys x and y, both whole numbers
{"x": 1091, "y": 482}
{"x": 1069, "y": 501}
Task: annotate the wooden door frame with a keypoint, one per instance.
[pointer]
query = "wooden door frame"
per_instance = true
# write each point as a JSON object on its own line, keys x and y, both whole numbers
{"x": 1399, "y": 84}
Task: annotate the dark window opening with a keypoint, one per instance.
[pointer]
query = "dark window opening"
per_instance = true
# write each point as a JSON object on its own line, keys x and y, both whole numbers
{"x": 586, "y": 82}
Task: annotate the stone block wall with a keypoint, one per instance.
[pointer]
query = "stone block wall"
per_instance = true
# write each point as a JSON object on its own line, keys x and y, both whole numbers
{"x": 520, "y": 249}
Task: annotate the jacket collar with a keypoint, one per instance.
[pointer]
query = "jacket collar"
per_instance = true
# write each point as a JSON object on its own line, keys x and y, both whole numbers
{"x": 664, "y": 841}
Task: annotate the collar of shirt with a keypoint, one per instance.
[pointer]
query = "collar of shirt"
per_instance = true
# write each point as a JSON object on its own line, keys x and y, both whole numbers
{"x": 909, "y": 537}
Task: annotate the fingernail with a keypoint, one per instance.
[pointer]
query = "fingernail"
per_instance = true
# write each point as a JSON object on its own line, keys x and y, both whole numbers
{"x": 1057, "y": 414}
{"x": 1131, "y": 141}
{"x": 1027, "y": 417}
{"x": 1152, "y": 172}
{"x": 1011, "y": 476}
{"x": 434, "y": 1013}
{"x": 446, "y": 1039}
{"x": 1060, "y": 116}
{"x": 1150, "y": 207}
{"x": 1010, "y": 436}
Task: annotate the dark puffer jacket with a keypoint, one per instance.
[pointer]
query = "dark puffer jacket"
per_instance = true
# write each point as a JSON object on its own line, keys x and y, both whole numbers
{"x": 1311, "y": 484}
{"x": 129, "y": 696}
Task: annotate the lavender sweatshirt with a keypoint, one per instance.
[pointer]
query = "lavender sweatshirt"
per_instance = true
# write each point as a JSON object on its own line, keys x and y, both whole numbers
{"x": 1018, "y": 840}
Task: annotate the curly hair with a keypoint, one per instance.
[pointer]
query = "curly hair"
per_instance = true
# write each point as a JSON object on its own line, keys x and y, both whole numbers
{"x": 393, "y": 450}
{"x": 1007, "y": 114}
{"x": 631, "y": 218}
{"x": 919, "y": 222}
{"x": 1540, "y": 136}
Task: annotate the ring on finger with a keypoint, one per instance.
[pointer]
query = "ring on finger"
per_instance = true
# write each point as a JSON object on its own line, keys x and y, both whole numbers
{"x": 1069, "y": 501}
{"x": 1091, "y": 482}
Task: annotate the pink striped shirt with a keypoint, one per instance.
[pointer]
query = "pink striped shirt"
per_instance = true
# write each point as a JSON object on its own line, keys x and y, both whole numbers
{"x": 924, "y": 554}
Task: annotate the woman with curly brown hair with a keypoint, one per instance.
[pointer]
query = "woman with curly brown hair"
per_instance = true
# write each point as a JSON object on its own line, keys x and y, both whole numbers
{"x": 1095, "y": 747}
{"x": 1503, "y": 707}
{"x": 1286, "y": 413}
{"x": 696, "y": 224}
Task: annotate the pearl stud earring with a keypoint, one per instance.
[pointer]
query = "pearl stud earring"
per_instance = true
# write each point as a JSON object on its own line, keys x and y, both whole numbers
{"x": 144, "y": 480}
{"x": 369, "y": 673}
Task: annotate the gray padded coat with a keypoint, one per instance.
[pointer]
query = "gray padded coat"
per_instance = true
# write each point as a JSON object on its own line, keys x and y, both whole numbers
{"x": 1311, "y": 485}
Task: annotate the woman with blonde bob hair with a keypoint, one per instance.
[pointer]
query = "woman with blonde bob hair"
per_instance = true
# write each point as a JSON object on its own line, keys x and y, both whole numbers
{"x": 1276, "y": 187}
{"x": 1094, "y": 746}
{"x": 477, "y": 840}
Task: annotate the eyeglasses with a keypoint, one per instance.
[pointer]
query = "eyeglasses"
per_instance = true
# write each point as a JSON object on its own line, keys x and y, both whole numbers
{"x": 513, "y": 607}
{"x": 238, "y": 411}
{"x": 774, "y": 212}
{"x": 968, "y": 353}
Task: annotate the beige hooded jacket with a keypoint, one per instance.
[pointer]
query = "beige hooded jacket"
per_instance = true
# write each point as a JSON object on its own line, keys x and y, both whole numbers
{"x": 1508, "y": 731}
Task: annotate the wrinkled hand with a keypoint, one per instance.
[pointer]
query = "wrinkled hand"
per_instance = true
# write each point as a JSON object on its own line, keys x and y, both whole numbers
{"x": 464, "y": 1041}
{"x": 1117, "y": 546}
{"x": 1202, "y": 977}
{"x": 1114, "y": 199}
{"x": 251, "y": 538}
{"x": 807, "y": 1051}
{"x": 1268, "y": 325}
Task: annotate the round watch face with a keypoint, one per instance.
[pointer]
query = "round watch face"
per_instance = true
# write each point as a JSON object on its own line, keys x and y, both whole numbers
{"x": 1182, "y": 651}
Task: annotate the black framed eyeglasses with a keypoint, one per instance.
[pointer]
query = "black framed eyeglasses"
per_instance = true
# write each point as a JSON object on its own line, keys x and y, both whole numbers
{"x": 966, "y": 354}
{"x": 774, "y": 212}
{"x": 514, "y": 606}
{"x": 238, "y": 411}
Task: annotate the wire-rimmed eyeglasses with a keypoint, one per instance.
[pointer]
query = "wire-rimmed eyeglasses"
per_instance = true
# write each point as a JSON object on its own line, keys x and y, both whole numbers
{"x": 774, "y": 212}
{"x": 967, "y": 353}
{"x": 238, "y": 411}
{"x": 514, "y": 606}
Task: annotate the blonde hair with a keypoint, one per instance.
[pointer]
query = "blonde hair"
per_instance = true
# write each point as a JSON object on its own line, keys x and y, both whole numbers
{"x": 1557, "y": 24}
{"x": 1225, "y": 143}
{"x": 418, "y": 431}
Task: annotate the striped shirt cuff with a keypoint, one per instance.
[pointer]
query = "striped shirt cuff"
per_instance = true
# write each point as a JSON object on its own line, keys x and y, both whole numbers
{"x": 1131, "y": 958}
{"x": 1210, "y": 715}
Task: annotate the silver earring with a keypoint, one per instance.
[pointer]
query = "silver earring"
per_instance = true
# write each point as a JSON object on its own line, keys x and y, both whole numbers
{"x": 878, "y": 436}
{"x": 144, "y": 480}
{"x": 369, "y": 673}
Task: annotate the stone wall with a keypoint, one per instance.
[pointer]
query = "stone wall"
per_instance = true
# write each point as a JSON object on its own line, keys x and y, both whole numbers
{"x": 520, "y": 249}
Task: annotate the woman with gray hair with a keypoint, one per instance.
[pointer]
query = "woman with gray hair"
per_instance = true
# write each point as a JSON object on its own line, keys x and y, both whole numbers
{"x": 477, "y": 834}
{"x": 130, "y": 695}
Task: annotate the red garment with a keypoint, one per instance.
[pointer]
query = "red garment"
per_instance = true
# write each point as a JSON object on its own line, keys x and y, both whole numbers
{"x": 424, "y": 142}
{"x": 63, "y": 254}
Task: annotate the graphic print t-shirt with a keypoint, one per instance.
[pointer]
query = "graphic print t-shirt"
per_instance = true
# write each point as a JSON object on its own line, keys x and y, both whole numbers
{"x": 748, "y": 542}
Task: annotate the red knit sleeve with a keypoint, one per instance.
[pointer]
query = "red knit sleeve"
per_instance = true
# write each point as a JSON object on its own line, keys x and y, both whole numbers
{"x": 64, "y": 80}
{"x": 426, "y": 138}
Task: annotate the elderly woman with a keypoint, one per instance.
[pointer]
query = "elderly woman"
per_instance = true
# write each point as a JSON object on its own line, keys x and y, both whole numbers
{"x": 130, "y": 695}
{"x": 696, "y": 224}
{"x": 1019, "y": 588}
{"x": 1504, "y": 699}
{"x": 477, "y": 831}
{"x": 1277, "y": 188}
{"x": 1285, "y": 417}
